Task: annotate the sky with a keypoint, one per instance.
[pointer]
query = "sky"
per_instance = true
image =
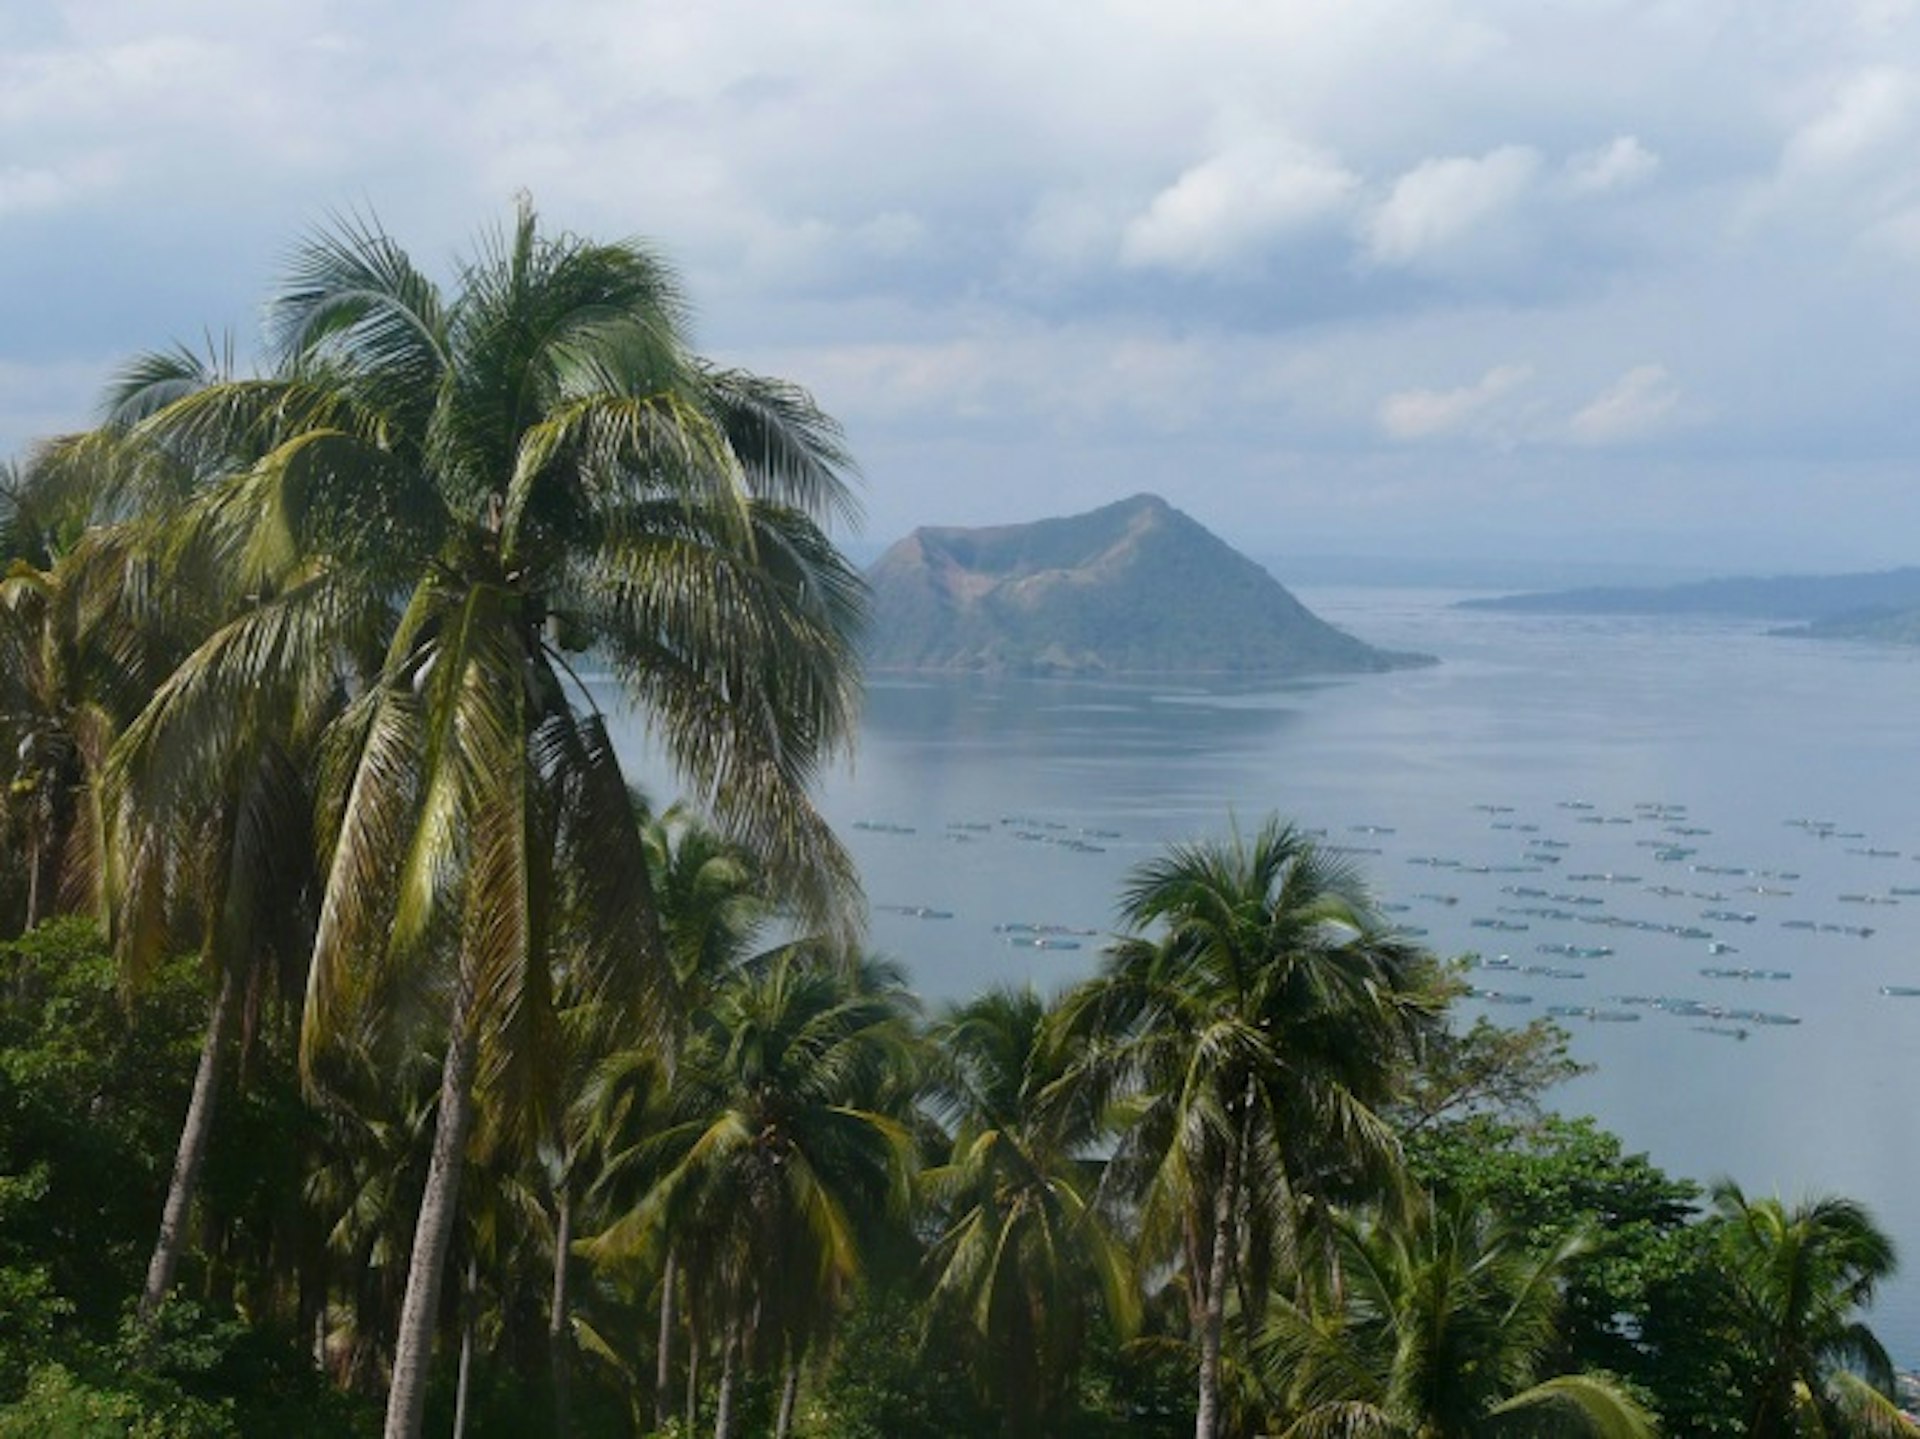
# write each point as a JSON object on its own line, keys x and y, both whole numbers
{"x": 1578, "y": 279}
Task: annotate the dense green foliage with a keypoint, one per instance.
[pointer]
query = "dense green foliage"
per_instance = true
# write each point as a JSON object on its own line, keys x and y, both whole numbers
{"x": 897, "y": 1340}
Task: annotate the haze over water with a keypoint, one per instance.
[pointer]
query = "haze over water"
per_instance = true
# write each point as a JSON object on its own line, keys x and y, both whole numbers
{"x": 1735, "y": 732}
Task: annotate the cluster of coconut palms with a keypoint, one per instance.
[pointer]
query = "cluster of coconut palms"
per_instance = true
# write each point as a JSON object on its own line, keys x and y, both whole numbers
{"x": 302, "y": 671}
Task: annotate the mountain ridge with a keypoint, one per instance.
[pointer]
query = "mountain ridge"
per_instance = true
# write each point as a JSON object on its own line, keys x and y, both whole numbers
{"x": 1812, "y": 598}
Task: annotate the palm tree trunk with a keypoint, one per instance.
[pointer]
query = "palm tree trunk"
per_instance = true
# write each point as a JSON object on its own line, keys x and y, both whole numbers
{"x": 33, "y": 887}
{"x": 693, "y": 1368}
{"x": 789, "y": 1394}
{"x": 470, "y": 1303}
{"x": 194, "y": 1136}
{"x": 1206, "y": 1420}
{"x": 433, "y": 1231}
{"x": 663, "y": 1356}
{"x": 559, "y": 1323}
{"x": 729, "y": 1363}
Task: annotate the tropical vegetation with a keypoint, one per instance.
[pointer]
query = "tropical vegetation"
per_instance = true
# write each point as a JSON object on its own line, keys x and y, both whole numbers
{"x": 375, "y": 1058}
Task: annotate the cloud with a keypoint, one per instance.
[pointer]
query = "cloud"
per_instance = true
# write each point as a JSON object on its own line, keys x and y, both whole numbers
{"x": 1620, "y": 165}
{"x": 1438, "y": 203}
{"x": 1632, "y": 406}
{"x": 1870, "y": 110}
{"x": 1424, "y": 414}
{"x": 980, "y": 226}
{"x": 26, "y": 190}
{"x": 1232, "y": 206}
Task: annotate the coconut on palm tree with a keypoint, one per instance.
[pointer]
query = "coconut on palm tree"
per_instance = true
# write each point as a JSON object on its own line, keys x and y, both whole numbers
{"x": 1249, "y": 1046}
{"x": 484, "y": 483}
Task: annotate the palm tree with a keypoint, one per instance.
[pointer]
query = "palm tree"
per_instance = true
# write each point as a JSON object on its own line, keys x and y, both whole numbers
{"x": 1023, "y": 1250}
{"x": 785, "y": 1154}
{"x": 81, "y": 645}
{"x": 1794, "y": 1279}
{"x": 84, "y": 636}
{"x": 1250, "y": 1047}
{"x": 485, "y": 483}
{"x": 1439, "y": 1327}
{"x": 713, "y": 904}
{"x": 710, "y": 901}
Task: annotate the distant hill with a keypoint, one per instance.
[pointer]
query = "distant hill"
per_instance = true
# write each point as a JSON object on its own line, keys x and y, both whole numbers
{"x": 1893, "y": 627}
{"x": 1781, "y": 597}
{"x": 1131, "y": 588}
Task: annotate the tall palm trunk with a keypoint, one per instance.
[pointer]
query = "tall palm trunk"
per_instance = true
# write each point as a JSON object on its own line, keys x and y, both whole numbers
{"x": 693, "y": 1367}
{"x": 729, "y": 1365}
{"x": 663, "y": 1356}
{"x": 789, "y": 1395}
{"x": 1206, "y": 1420}
{"x": 433, "y": 1231}
{"x": 195, "y": 1133}
{"x": 469, "y": 1307}
{"x": 559, "y": 1321}
{"x": 33, "y": 888}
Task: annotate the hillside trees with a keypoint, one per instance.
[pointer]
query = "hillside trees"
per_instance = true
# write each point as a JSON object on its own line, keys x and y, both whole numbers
{"x": 476, "y": 482}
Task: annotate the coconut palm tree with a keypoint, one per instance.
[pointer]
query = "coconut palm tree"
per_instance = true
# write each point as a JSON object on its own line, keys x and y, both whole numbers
{"x": 1795, "y": 1279}
{"x": 85, "y": 635}
{"x": 713, "y": 904}
{"x": 82, "y": 643}
{"x": 488, "y": 482}
{"x": 1023, "y": 1256}
{"x": 1250, "y": 1046}
{"x": 786, "y": 1152}
{"x": 1440, "y": 1326}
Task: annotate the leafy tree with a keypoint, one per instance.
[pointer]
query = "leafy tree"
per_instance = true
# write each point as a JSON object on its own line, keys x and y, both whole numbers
{"x": 1488, "y": 1069}
{"x": 880, "y": 1381}
{"x": 1252, "y": 1045}
{"x": 1559, "y": 1176}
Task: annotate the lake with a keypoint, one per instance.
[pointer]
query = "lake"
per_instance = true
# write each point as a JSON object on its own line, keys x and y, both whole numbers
{"x": 1573, "y": 759}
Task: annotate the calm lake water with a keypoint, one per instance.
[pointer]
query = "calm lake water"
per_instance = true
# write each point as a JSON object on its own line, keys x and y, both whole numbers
{"x": 1566, "y": 757}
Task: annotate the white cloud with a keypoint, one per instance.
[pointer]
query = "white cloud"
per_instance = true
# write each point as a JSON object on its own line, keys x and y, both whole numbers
{"x": 1424, "y": 414}
{"x": 1438, "y": 203}
{"x": 1631, "y": 407}
{"x": 1620, "y": 165}
{"x": 25, "y": 191}
{"x": 1228, "y": 208}
{"x": 1874, "y": 108}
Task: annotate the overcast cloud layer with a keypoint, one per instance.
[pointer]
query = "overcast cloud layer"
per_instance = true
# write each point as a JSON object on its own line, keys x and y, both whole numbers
{"x": 1582, "y": 278}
